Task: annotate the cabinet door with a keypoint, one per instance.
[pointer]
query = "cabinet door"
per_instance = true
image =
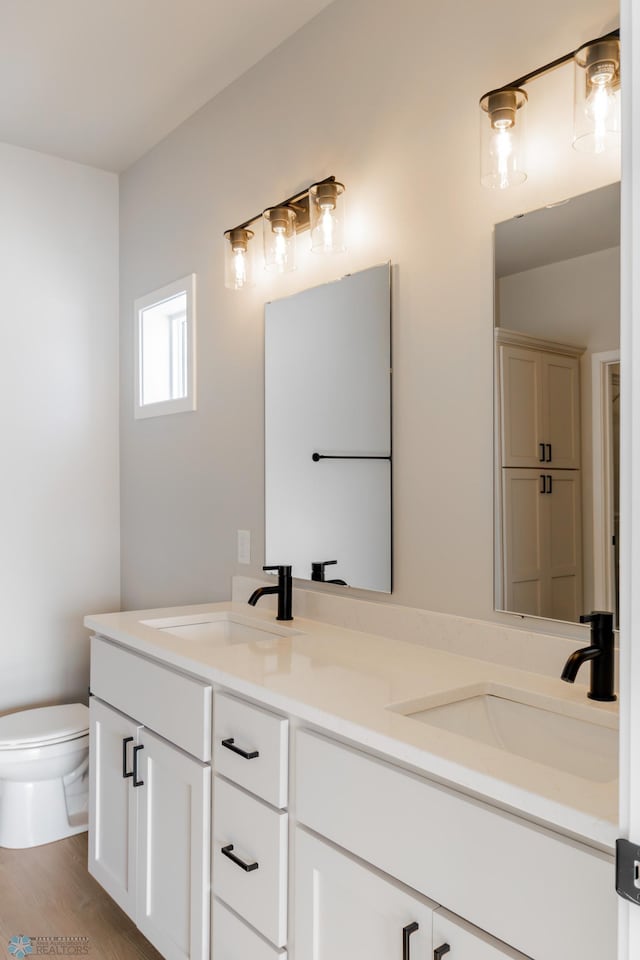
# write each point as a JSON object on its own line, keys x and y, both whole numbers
{"x": 112, "y": 808}
{"x": 521, "y": 407}
{"x": 565, "y": 545}
{"x": 561, "y": 411}
{"x": 173, "y": 844}
{"x": 524, "y": 541}
{"x": 466, "y": 942}
{"x": 346, "y": 911}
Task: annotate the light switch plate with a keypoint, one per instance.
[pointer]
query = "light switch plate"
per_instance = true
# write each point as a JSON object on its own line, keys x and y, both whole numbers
{"x": 244, "y": 546}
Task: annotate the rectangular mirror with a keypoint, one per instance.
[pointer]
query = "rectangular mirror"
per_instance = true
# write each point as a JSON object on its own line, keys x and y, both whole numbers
{"x": 557, "y": 375}
{"x": 328, "y": 431}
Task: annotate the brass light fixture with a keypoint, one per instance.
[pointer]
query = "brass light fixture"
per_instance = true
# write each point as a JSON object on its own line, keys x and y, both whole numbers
{"x": 596, "y": 111}
{"x": 319, "y": 209}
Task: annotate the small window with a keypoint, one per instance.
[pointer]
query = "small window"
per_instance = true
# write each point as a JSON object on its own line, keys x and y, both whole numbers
{"x": 165, "y": 350}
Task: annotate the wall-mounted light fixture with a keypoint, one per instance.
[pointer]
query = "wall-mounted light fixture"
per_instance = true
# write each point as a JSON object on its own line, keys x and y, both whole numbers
{"x": 596, "y": 111}
{"x": 318, "y": 209}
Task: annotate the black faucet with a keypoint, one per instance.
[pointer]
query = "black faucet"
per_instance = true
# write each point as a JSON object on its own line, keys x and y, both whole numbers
{"x": 284, "y": 589}
{"x": 600, "y": 653}
{"x": 318, "y": 574}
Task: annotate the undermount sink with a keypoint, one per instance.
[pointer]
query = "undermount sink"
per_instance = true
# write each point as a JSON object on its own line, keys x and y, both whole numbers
{"x": 577, "y": 746}
{"x": 221, "y": 627}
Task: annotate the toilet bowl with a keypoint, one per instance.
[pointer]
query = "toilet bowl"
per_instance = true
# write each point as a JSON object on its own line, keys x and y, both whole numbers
{"x": 44, "y": 763}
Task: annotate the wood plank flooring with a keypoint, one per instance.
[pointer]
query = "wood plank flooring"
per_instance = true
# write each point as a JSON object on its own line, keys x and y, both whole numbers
{"x": 47, "y": 891}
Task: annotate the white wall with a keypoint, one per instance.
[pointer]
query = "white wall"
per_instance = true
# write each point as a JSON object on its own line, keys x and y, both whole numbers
{"x": 577, "y": 302}
{"x": 58, "y": 423}
{"x": 384, "y": 96}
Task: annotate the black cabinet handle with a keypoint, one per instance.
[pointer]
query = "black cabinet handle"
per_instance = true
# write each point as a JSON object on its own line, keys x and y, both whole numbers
{"x": 543, "y": 486}
{"x": 406, "y": 933}
{"x": 228, "y": 852}
{"x": 136, "y": 750}
{"x": 439, "y": 952}
{"x": 549, "y": 457}
{"x": 125, "y": 741}
{"x": 230, "y": 745}
{"x": 541, "y": 458}
{"x": 550, "y": 484}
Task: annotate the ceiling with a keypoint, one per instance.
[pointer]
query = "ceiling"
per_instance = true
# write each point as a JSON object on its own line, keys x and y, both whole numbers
{"x": 101, "y": 81}
{"x": 573, "y": 228}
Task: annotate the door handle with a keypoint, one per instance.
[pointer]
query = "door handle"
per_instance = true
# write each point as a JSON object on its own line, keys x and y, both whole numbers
{"x": 541, "y": 458}
{"x": 248, "y": 755}
{"x": 136, "y": 750}
{"x": 549, "y": 457}
{"x": 439, "y": 952}
{"x": 543, "y": 485}
{"x": 125, "y": 741}
{"x": 228, "y": 852}
{"x": 550, "y": 484}
{"x": 406, "y": 934}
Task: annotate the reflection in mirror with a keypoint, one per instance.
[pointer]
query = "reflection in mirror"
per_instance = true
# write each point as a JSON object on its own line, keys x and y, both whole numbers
{"x": 328, "y": 431}
{"x": 557, "y": 309}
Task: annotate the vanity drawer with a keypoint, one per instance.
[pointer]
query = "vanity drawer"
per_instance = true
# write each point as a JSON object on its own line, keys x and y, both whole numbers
{"x": 232, "y": 939}
{"x": 493, "y": 868}
{"x": 261, "y": 735}
{"x": 258, "y": 834}
{"x": 176, "y": 706}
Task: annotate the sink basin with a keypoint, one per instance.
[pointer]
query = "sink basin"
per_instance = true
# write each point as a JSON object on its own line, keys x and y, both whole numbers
{"x": 578, "y": 746}
{"x": 221, "y": 627}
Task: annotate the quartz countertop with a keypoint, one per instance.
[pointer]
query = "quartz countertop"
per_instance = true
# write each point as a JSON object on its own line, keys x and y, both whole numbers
{"x": 344, "y": 681}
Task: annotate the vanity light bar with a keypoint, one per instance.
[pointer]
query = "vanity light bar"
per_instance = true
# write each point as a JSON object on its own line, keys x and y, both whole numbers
{"x": 596, "y": 118}
{"x": 318, "y": 209}
{"x": 552, "y": 65}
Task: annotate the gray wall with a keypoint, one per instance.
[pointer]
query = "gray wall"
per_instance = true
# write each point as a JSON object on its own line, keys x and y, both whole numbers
{"x": 385, "y": 97}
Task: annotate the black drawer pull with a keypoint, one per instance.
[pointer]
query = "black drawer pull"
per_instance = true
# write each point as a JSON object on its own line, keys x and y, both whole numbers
{"x": 136, "y": 750}
{"x": 230, "y": 745}
{"x": 406, "y": 933}
{"x": 247, "y": 867}
{"x": 542, "y": 458}
{"x": 125, "y": 741}
{"x": 549, "y": 449}
{"x": 439, "y": 952}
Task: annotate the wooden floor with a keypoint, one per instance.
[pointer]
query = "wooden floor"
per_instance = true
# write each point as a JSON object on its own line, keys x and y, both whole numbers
{"x": 48, "y": 892}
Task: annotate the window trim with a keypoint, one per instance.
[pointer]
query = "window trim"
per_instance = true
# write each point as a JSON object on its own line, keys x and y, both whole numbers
{"x": 186, "y": 285}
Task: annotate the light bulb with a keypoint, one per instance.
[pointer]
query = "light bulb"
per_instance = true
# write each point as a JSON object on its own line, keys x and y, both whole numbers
{"x": 280, "y": 246}
{"x": 240, "y": 267}
{"x": 503, "y": 147}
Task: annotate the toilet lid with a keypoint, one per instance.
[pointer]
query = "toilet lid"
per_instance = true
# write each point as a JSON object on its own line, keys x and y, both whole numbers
{"x": 44, "y": 725}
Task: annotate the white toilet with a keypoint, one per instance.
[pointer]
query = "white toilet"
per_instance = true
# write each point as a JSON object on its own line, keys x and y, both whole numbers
{"x": 44, "y": 765}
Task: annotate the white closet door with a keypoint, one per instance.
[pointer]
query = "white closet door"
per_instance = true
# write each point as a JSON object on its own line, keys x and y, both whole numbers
{"x": 561, "y": 411}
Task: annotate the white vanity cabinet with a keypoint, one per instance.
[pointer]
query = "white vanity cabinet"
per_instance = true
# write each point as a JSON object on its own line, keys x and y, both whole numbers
{"x": 150, "y": 803}
{"x": 346, "y": 911}
{"x": 250, "y": 821}
{"x": 543, "y": 894}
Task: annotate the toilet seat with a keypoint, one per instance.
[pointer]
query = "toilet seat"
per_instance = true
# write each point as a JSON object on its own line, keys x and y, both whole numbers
{"x": 43, "y": 725}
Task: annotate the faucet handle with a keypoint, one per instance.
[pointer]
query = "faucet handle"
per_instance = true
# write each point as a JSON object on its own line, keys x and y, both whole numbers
{"x": 317, "y": 569}
{"x": 283, "y": 570}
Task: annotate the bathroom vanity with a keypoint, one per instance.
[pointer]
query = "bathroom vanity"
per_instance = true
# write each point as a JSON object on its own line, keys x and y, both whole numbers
{"x": 261, "y": 790}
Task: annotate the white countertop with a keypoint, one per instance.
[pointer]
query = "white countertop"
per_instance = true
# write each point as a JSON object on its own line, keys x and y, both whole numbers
{"x": 344, "y": 681}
